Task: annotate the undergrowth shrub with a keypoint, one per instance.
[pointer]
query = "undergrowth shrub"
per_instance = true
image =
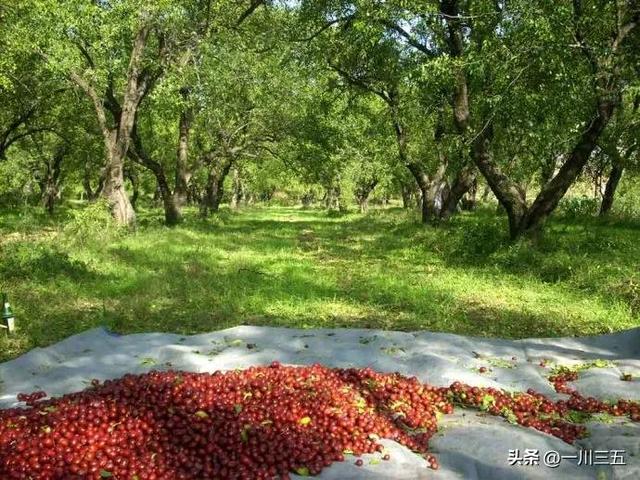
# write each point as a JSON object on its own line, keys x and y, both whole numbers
{"x": 627, "y": 200}
{"x": 478, "y": 239}
{"x": 579, "y": 207}
{"x": 92, "y": 224}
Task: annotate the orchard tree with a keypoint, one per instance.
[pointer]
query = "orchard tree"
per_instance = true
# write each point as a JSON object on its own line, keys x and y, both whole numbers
{"x": 601, "y": 44}
{"x": 620, "y": 146}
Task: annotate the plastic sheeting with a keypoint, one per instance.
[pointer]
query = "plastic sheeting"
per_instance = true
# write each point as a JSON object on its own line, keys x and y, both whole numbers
{"x": 470, "y": 444}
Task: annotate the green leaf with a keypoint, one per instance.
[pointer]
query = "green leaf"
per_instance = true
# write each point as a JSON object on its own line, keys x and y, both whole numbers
{"x": 147, "y": 361}
{"x": 487, "y": 402}
{"x": 201, "y": 414}
{"x": 105, "y": 474}
{"x": 576, "y": 416}
{"x": 305, "y": 421}
{"x": 302, "y": 471}
{"x": 237, "y": 408}
{"x": 603, "y": 417}
{"x": 509, "y": 415}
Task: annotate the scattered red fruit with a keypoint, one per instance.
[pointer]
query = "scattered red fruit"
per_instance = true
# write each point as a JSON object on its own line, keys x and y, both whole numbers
{"x": 259, "y": 423}
{"x": 482, "y": 369}
{"x": 386, "y": 457}
{"x": 626, "y": 377}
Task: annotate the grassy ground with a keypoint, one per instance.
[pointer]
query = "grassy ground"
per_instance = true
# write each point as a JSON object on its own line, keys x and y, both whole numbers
{"x": 304, "y": 268}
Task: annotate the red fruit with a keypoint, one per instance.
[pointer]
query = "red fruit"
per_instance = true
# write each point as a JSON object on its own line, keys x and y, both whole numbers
{"x": 262, "y": 422}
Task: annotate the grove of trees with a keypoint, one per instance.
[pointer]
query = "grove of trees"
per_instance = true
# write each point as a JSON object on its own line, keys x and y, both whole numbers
{"x": 432, "y": 102}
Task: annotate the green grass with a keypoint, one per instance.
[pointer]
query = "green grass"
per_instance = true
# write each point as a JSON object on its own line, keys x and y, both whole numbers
{"x": 304, "y": 268}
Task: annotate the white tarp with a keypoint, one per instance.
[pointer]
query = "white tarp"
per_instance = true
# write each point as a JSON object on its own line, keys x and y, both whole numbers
{"x": 470, "y": 445}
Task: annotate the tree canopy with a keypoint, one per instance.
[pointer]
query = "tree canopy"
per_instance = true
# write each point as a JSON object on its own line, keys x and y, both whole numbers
{"x": 319, "y": 100}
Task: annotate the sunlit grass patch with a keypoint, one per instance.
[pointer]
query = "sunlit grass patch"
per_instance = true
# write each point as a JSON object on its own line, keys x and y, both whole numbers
{"x": 303, "y": 268}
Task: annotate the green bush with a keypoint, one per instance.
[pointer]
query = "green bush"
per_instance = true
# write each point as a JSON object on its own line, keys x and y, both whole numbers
{"x": 479, "y": 238}
{"x": 91, "y": 224}
{"x": 627, "y": 201}
{"x": 579, "y": 207}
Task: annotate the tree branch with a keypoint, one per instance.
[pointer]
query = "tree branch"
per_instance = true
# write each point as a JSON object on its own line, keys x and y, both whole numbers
{"x": 411, "y": 40}
{"x": 95, "y": 98}
{"x": 252, "y": 8}
{"x": 386, "y": 96}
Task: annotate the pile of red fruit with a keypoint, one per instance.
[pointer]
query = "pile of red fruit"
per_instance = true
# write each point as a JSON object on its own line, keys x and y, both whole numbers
{"x": 259, "y": 423}
{"x": 590, "y": 404}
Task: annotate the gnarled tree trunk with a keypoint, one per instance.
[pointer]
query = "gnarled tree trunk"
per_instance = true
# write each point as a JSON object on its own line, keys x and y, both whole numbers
{"x": 462, "y": 184}
{"x": 114, "y": 189}
{"x": 363, "y": 190}
{"x": 522, "y": 218}
{"x": 214, "y": 188}
{"x": 117, "y": 137}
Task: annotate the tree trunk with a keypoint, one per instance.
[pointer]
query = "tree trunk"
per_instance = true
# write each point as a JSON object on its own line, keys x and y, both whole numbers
{"x": 183, "y": 174}
{"x": 172, "y": 211}
{"x": 86, "y": 183}
{"x": 363, "y": 191}
{"x": 332, "y": 197}
{"x": 137, "y": 152}
{"x": 470, "y": 199}
{"x": 116, "y": 138}
{"x": 51, "y": 184}
{"x": 506, "y": 191}
{"x": 157, "y": 196}
{"x": 214, "y": 189}
{"x": 236, "y": 194}
{"x": 406, "y": 198}
{"x": 115, "y": 193}
{"x": 551, "y": 193}
{"x": 132, "y": 176}
{"x": 610, "y": 189}
{"x": 307, "y": 199}
{"x": 407, "y": 194}
{"x": 193, "y": 194}
{"x": 463, "y": 182}
{"x": 422, "y": 180}
{"x": 49, "y": 194}
{"x": 420, "y": 177}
